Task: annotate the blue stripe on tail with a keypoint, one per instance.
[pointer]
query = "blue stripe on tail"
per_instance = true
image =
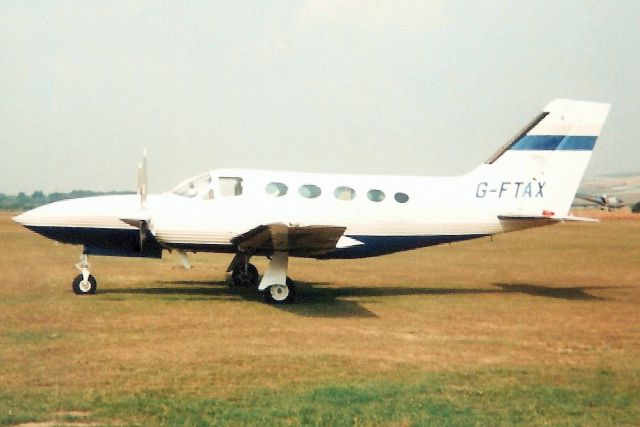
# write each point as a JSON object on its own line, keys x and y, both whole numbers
{"x": 555, "y": 142}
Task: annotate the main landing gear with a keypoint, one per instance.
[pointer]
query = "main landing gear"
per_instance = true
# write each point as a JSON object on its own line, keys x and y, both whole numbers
{"x": 276, "y": 288}
{"x": 84, "y": 283}
{"x": 245, "y": 275}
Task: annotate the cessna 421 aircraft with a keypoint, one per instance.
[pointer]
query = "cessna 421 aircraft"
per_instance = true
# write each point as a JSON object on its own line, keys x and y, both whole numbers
{"x": 529, "y": 182}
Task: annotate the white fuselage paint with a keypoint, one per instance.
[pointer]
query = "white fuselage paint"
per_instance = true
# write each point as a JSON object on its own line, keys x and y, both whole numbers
{"x": 451, "y": 206}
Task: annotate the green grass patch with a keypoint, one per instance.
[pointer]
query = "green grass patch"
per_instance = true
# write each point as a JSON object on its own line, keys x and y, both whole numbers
{"x": 485, "y": 397}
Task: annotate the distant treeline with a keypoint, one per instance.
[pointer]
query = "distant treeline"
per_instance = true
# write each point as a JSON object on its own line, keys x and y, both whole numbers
{"x": 23, "y": 201}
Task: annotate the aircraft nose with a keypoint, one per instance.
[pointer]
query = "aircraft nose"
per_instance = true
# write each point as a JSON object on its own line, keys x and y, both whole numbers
{"x": 69, "y": 221}
{"x": 31, "y": 217}
{"x": 56, "y": 213}
{"x": 20, "y": 219}
{"x": 96, "y": 212}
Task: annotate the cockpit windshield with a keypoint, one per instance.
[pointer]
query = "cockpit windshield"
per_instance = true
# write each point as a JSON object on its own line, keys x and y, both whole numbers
{"x": 206, "y": 186}
{"x": 198, "y": 186}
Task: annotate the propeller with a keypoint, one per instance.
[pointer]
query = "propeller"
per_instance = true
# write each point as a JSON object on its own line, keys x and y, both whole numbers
{"x": 142, "y": 192}
{"x": 142, "y": 180}
{"x": 143, "y": 218}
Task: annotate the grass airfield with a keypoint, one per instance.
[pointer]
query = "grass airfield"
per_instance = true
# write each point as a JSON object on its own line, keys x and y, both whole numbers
{"x": 540, "y": 327}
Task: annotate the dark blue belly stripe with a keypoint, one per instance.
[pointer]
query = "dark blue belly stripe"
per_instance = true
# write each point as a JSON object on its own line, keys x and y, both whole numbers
{"x": 125, "y": 242}
{"x": 103, "y": 241}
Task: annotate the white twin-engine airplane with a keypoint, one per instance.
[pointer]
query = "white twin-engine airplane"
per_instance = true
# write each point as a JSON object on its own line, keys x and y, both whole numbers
{"x": 529, "y": 182}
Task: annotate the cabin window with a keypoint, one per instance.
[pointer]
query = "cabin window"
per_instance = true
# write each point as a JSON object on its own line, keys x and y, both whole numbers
{"x": 276, "y": 189}
{"x": 344, "y": 193}
{"x": 401, "y": 197}
{"x": 375, "y": 195}
{"x": 310, "y": 191}
{"x": 230, "y": 186}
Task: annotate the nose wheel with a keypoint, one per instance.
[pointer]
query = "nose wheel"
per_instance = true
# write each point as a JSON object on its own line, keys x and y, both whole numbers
{"x": 82, "y": 286}
{"x": 84, "y": 283}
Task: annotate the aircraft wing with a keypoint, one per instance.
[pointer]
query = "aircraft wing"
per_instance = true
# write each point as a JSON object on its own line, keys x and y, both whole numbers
{"x": 310, "y": 240}
{"x": 590, "y": 198}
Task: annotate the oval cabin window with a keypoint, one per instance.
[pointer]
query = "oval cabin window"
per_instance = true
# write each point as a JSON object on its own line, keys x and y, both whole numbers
{"x": 401, "y": 198}
{"x": 276, "y": 189}
{"x": 375, "y": 195}
{"x": 344, "y": 193}
{"x": 310, "y": 191}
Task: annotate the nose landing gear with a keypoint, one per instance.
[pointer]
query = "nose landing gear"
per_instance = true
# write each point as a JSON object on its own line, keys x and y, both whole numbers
{"x": 84, "y": 283}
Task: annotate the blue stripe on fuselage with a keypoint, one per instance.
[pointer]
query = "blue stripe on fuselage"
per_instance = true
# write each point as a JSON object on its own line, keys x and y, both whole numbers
{"x": 382, "y": 245}
{"x": 555, "y": 142}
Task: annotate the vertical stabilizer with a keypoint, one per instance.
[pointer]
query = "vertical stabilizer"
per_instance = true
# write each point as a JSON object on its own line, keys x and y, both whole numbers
{"x": 541, "y": 167}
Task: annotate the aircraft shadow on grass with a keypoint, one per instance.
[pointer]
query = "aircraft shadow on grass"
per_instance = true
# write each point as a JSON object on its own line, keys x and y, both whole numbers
{"x": 319, "y": 300}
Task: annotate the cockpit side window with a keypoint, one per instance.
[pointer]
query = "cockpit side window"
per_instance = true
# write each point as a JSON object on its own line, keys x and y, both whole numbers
{"x": 230, "y": 186}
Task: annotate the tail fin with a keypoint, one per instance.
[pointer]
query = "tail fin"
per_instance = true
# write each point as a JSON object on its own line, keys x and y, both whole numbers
{"x": 541, "y": 167}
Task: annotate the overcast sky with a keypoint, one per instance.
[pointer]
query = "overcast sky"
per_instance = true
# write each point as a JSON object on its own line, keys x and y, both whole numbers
{"x": 354, "y": 86}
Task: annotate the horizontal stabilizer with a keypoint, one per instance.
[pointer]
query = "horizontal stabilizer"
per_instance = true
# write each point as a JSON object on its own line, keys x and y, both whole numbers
{"x": 545, "y": 218}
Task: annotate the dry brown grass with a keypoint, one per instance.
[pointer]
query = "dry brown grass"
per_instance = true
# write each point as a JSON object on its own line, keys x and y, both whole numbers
{"x": 561, "y": 296}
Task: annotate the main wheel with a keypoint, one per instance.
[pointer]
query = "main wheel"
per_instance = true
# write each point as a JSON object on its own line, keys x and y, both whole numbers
{"x": 245, "y": 277}
{"x": 84, "y": 287}
{"x": 280, "y": 294}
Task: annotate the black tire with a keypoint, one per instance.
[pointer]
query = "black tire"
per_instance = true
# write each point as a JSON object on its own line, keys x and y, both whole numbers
{"x": 240, "y": 277}
{"x": 81, "y": 289}
{"x": 280, "y": 294}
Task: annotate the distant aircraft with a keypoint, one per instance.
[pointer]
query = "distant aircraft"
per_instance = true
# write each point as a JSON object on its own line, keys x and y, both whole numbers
{"x": 529, "y": 182}
{"x": 605, "y": 201}
{"x": 611, "y": 192}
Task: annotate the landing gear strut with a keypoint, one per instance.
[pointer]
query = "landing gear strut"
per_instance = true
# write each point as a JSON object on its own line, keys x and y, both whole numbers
{"x": 275, "y": 286}
{"x": 243, "y": 273}
{"x": 84, "y": 283}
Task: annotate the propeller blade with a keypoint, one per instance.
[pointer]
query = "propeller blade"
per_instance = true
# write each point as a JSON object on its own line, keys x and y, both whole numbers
{"x": 143, "y": 224}
{"x": 144, "y": 228}
{"x": 142, "y": 180}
